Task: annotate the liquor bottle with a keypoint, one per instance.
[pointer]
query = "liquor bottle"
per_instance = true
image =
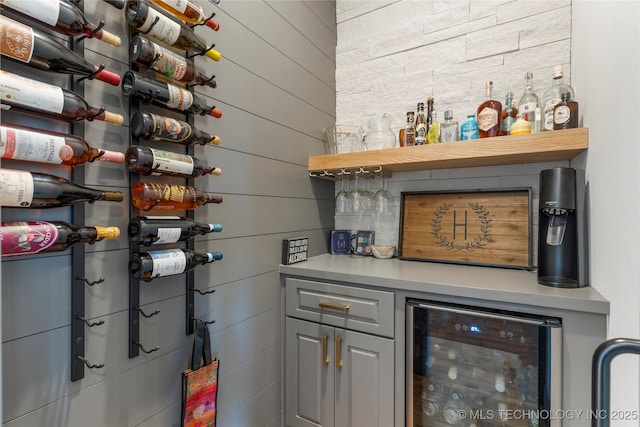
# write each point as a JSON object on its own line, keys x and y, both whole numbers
{"x": 433, "y": 134}
{"x": 407, "y": 133}
{"x": 38, "y": 191}
{"x": 118, "y": 4}
{"x": 421, "y": 126}
{"x": 552, "y": 96}
{"x": 529, "y": 102}
{"x": 151, "y": 161}
{"x": 153, "y": 264}
{"x": 489, "y": 118}
{"x": 157, "y": 230}
{"x": 168, "y": 95}
{"x": 24, "y": 44}
{"x": 565, "y": 113}
{"x": 32, "y": 237}
{"x": 161, "y": 128}
{"x": 187, "y": 11}
{"x": 61, "y": 16}
{"x": 509, "y": 115}
{"x": 32, "y": 96}
{"x": 469, "y": 129}
{"x": 33, "y": 145}
{"x": 150, "y": 21}
{"x": 147, "y": 54}
{"x": 449, "y": 129}
{"x": 429, "y": 112}
{"x": 150, "y": 195}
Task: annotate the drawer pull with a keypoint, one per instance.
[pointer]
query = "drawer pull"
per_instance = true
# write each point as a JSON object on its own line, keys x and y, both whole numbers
{"x": 340, "y": 308}
{"x": 325, "y": 344}
{"x": 338, "y": 356}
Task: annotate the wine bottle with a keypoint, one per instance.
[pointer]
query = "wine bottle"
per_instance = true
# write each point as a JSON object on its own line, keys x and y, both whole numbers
{"x": 24, "y": 44}
{"x": 156, "y": 230}
{"x": 187, "y": 11}
{"x": 118, "y": 4}
{"x": 61, "y": 16}
{"x": 161, "y": 128}
{"x": 153, "y": 264}
{"x": 35, "y": 97}
{"x": 32, "y": 237}
{"x": 171, "y": 96}
{"x": 33, "y": 145}
{"x": 38, "y": 191}
{"x": 151, "y": 161}
{"x": 147, "y": 54}
{"x": 149, "y": 195}
{"x": 141, "y": 16}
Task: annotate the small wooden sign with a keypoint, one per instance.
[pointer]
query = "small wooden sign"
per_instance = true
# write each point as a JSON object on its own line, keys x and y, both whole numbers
{"x": 295, "y": 250}
{"x": 467, "y": 227}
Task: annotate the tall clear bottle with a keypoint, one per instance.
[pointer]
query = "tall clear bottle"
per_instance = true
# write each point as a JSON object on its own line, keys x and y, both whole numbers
{"x": 489, "y": 115}
{"x": 553, "y": 96}
{"x": 433, "y": 133}
{"x": 529, "y": 103}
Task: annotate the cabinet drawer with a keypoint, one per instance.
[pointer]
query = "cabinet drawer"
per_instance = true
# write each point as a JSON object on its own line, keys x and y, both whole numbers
{"x": 359, "y": 309}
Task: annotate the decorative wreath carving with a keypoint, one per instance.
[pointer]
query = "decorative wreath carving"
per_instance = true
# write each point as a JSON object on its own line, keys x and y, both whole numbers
{"x": 477, "y": 242}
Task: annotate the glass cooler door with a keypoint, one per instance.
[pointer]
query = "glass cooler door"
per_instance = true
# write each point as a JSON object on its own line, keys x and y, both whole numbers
{"x": 473, "y": 367}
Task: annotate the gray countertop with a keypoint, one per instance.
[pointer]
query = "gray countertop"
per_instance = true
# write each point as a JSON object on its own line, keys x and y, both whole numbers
{"x": 485, "y": 283}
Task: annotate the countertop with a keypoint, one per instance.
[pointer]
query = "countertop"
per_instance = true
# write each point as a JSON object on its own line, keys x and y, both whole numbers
{"x": 485, "y": 283}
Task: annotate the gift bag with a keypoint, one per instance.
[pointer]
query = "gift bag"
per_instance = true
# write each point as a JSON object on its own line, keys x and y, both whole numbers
{"x": 200, "y": 383}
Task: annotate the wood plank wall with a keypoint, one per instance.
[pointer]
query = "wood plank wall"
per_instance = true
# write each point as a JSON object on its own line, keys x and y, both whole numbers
{"x": 277, "y": 91}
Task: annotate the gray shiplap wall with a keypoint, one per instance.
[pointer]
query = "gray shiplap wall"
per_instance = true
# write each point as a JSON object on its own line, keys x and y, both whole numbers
{"x": 276, "y": 89}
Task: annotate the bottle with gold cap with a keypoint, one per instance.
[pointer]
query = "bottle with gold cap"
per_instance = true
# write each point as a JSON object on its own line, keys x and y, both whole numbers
{"x": 32, "y": 237}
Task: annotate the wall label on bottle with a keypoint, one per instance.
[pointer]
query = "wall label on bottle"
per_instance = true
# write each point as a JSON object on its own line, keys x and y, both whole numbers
{"x": 46, "y": 11}
{"x": 168, "y": 262}
{"x": 179, "y": 5}
{"x": 168, "y": 235}
{"x": 449, "y": 133}
{"x": 168, "y": 63}
{"x": 179, "y": 98}
{"x": 168, "y": 129}
{"x": 16, "y": 188}
{"x": 16, "y": 40}
{"x": 561, "y": 114}
{"x": 549, "y": 106}
{"x": 30, "y": 93}
{"x": 171, "y": 162}
{"x": 33, "y": 146}
{"x": 25, "y": 238}
{"x": 487, "y": 118}
{"x": 164, "y": 30}
{"x": 528, "y": 111}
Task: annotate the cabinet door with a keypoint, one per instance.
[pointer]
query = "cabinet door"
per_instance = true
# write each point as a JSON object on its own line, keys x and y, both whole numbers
{"x": 309, "y": 374}
{"x": 364, "y": 380}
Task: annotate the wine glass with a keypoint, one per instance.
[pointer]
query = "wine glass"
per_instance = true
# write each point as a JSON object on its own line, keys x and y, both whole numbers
{"x": 356, "y": 197}
{"x": 342, "y": 198}
{"x": 383, "y": 199}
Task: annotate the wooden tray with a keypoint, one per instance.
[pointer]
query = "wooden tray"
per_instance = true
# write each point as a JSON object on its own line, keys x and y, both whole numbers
{"x": 467, "y": 227}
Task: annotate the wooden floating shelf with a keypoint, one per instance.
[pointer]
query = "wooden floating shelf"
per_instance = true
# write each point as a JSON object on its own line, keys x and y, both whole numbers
{"x": 502, "y": 150}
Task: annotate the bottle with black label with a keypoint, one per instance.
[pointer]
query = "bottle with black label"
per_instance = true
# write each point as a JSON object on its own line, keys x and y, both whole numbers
{"x": 156, "y": 230}
{"x": 160, "y": 128}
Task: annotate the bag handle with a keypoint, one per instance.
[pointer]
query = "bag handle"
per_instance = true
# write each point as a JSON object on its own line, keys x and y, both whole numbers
{"x": 201, "y": 346}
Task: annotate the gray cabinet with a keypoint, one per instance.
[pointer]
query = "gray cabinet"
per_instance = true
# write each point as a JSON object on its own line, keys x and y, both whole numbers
{"x": 337, "y": 372}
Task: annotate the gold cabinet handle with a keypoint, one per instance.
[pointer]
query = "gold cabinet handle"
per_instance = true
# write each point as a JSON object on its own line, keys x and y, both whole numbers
{"x": 325, "y": 345}
{"x": 340, "y": 308}
{"x": 338, "y": 348}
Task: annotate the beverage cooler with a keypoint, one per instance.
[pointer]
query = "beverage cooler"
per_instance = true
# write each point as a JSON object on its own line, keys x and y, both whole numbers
{"x": 474, "y": 367}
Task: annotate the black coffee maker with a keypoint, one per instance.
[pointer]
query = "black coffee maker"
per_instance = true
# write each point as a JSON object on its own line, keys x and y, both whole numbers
{"x": 562, "y": 243}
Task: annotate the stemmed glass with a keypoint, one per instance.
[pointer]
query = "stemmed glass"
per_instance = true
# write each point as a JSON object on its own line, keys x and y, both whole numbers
{"x": 342, "y": 198}
{"x": 383, "y": 199}
{"x": 357, "y": 198}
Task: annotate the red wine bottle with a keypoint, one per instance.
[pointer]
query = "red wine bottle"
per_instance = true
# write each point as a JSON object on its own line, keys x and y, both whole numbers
{"x": 32, "y": 96}
{"x": 145, "y": 89}
{"x": 153, "y": 264}
{"x": 147, "y": 54}
{"x": 144, "y": 18}
{"x": 150, "y": 195}
{"x": 151, "y": 161}
{"x": 34, "y": 145}
{"x": 61, "y": 16}
{"x": 161, "y": 128}
{"x": 38, "y": 191}
{"x": 37, "y": 49}
{"x": 32, "y": 237}
{"x": 157, "y": 230}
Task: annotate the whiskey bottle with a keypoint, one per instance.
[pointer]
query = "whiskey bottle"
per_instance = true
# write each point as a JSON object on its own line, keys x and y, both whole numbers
{"x": 156, "y": 230}
{"x": 32, "y": 237}
{"x": 529, "y": 102}
{"x": 449, "y": 129}
{"x": 161, "y": 128}
{"x": 150, "y": 195}
{"x": 565, "y": 113}
{"x": 489, "y": 115}
{"x": 421, "y": 126}
{"x": 407, "y": 133}
{"x": 152, "y": 161}
{"x": 153, "y": 264}
{"x": 552, "y": 96}
{"x": 509, "y": 115}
